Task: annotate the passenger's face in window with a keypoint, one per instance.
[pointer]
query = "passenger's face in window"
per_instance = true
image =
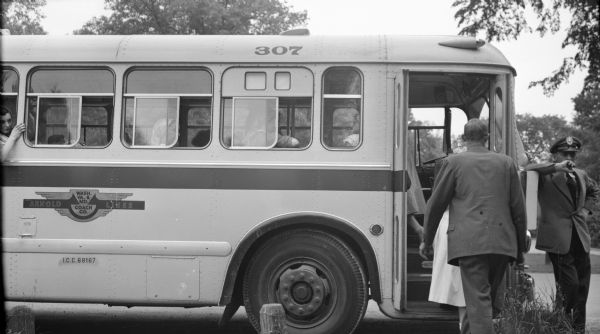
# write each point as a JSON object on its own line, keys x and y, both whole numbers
{"x": 6, "y": 124}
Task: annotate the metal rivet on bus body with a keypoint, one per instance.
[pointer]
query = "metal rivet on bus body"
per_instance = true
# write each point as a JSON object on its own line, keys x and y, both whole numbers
{"x": 376, "y": 229}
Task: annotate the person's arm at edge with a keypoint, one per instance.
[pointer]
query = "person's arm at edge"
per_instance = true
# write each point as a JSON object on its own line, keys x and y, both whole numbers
{"x": 12, "y": 139}
{"x": 542, "y": 168}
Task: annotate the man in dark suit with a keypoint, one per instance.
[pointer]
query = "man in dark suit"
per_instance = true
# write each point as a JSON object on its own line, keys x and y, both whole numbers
{"x": 487, "y": 223}
{"x": 566, "y": 195}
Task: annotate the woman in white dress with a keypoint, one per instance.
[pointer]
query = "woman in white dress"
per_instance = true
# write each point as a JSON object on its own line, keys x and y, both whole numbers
{"x": 446, "y": 284}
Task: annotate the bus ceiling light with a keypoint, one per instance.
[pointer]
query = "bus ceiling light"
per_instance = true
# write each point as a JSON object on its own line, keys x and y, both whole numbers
{"x": 463, "y": 43}
{"x": 296, "y": 32}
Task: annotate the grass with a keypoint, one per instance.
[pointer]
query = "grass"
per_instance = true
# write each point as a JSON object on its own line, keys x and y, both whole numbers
{"x": 523, "y": 316}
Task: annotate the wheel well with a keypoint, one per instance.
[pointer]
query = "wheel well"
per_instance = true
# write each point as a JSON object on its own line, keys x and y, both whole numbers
{"x": 349, "y": 234}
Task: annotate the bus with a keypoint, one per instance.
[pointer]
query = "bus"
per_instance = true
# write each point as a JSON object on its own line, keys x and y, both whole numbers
{"x": 190, "y": 171}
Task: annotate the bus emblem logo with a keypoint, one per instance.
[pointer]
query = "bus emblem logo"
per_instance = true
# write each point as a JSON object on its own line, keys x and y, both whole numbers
{"x": 83, "y": 205}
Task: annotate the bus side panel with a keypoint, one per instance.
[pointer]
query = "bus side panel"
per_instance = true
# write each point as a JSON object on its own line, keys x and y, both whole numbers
{"x": 174, "y": 252}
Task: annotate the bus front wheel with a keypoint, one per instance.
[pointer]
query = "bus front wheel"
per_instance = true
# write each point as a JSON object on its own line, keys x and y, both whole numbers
{"x": 315, "y": 276}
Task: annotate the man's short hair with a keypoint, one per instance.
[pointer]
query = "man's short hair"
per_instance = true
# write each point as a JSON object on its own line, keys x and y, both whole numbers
{"x": 475, "y": 130}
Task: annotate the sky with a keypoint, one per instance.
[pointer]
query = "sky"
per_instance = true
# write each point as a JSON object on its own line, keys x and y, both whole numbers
{"x": 533, "y": 57}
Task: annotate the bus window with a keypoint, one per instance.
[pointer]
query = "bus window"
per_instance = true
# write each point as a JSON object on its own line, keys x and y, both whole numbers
{"x": 167, "y": 108}
{"x": 9, "y": 90}
{"x": 342, "y": 101}
{"x": 70, "y": 107}
{"x": 279, "y": 116}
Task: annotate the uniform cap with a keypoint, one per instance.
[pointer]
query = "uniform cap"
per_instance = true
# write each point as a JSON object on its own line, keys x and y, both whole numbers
{"x": 566, "y": 144}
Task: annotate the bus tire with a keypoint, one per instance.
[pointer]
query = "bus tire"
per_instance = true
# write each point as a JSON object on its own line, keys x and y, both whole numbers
{"x": 317, "y": 278}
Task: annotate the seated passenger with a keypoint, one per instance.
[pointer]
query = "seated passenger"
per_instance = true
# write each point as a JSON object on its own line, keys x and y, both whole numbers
{"x": 56, "y": 140}
{"x": 284, "y": 141}
{"x": 352, "y": 140}
{"x": 162, "y": 132}
{"x": 201, "y": 138}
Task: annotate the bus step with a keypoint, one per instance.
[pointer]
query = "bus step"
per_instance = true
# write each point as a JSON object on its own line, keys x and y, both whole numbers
{"x": 415, "y": 263}
{"x": 417, "y": 286}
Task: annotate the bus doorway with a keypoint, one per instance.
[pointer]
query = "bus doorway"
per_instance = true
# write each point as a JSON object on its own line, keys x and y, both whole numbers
{"x": 439, "y": 105}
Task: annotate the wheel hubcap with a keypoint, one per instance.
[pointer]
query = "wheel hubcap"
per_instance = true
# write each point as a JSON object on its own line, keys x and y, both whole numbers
{"x": 302, "y": 291}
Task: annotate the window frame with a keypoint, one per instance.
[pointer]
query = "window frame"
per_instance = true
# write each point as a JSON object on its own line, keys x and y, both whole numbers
{"x": 342, "y": 96}
{"x": 15, "y": 94}
{"x": 37, "y": 118}
{"x": 289, "y": 75}
{"x": 264, "y": 75}
{"x": 28, "y": 95}
{"x": 262, "y": 148}
{"x": 135, "y": 110}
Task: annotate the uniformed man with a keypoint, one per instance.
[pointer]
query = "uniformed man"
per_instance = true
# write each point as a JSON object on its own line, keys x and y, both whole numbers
{"x": 566, "y": 195}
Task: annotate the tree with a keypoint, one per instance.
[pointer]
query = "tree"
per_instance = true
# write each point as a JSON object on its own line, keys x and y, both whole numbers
{"x": 505, "y": 19}
{"x": 587, "y": 106}
{"x": 539, "y": 133}
{"x": 204, "y": 17}
{"x": 22, "y": 17}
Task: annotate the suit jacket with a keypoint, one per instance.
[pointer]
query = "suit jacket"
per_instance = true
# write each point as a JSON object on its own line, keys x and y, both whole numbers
{"x": 559, "y": 211}
{"x": 486, "y": 203}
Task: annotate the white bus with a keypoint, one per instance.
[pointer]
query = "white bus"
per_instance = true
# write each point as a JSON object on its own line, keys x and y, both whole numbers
{"x": 194, "y": 171}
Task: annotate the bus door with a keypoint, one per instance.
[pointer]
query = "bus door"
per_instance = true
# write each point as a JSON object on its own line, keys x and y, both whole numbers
{"x": 432, "y": 110}
{"x": 401, "y": 183}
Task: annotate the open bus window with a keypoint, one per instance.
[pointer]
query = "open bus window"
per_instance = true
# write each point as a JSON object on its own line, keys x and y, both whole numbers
{"x": 167, "y": 108}
{"x": 294, "y": 122}
{"x": 96, "y": 121}
{"x": 70, "y": 107}
{"x": 342, "y": 101}
{"x": 9, "y": 89}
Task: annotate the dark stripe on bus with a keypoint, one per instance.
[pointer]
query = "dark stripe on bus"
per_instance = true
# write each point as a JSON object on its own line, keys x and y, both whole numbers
{"x": 205, "y": 178}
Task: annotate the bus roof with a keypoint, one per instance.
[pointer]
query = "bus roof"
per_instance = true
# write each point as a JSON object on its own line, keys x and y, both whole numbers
{"x": 248, "y": 49}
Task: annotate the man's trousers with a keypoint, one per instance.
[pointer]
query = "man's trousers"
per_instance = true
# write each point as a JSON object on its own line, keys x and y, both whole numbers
{"x": 572, "y": 276}
{"x": 481, "y": 276}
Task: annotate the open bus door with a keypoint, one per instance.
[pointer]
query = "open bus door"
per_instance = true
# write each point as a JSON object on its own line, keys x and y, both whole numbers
{"x": 401, "y": 183}
{"x": 437, "y": 104}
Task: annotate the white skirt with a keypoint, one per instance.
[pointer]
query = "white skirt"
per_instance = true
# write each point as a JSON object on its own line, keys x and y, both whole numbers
{"x": 446, "y": 284}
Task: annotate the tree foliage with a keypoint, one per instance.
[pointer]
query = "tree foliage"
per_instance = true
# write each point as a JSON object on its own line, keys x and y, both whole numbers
{"x": 203, "y": 17}
{"x": 587, "y": 120}
{"x": 506, "y": 19}
{"x": 22, "y": 17}
{"x": 540, "y": 132}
